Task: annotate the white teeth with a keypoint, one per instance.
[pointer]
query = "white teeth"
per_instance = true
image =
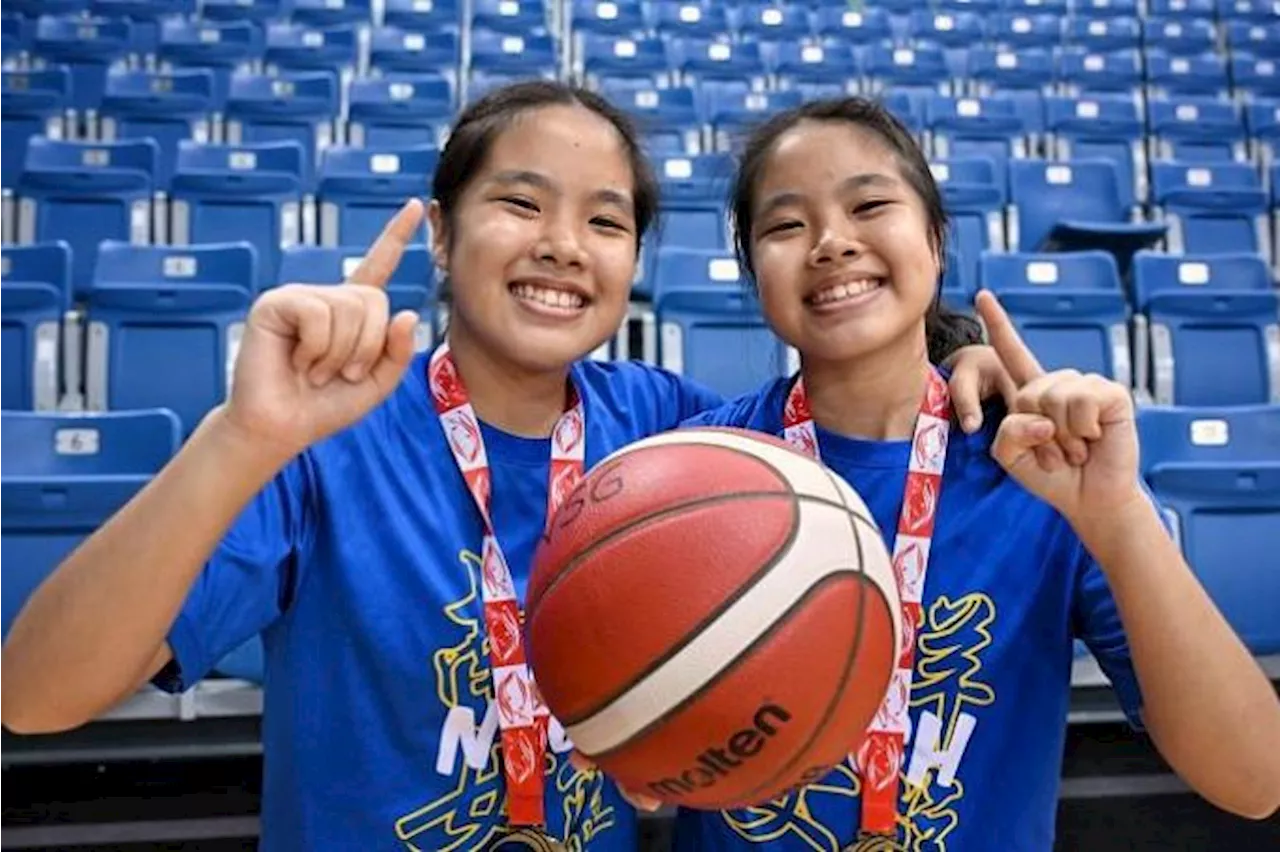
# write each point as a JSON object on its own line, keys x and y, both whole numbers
{"x": 548, "y": 296}
{"x": 845, "y": 290}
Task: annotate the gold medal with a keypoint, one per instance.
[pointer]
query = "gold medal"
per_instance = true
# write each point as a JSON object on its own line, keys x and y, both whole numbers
{"x": 527, "y": 839}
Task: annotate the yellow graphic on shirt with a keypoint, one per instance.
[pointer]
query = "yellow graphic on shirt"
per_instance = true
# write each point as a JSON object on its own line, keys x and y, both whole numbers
{"x": 470, "y": 815}
{"x": 946, "y": 686}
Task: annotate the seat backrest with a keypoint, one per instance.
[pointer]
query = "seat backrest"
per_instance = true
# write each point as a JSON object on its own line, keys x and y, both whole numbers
{"x": 87, "y": 47}
{"x": 327, "y": 13}
{"x": 1255, "y": 77}
{"x": 1021, "y": 30}
{"x": 733, "y": 115}
{"x": 1102, "y": 126}
{"x": 35, "y": 291}
{"x": 775, "y": 22}
{"x": 32, "y": 103}
{"x": 702, "y": 177}
{"x": 255, "y": 11}
{"x": 1215, "y": 472}
{"x": 1180, "y": 37}
{"x": 604, "y": 17}
{"x": 973, "y": 194}
{"x": 615, "y": 55}
{"x": 167, "y": 106}
{"x": 1045, "y": 193}
{"x": 1256, "y": 38}
{"x": 510, "y": 16}
{"x": 1214, "y": 336}
{"x": 689, "y": 19}
{"x": 220, "y": 46}
{"x": 1197, "y": 130}
{"x": 394, "y": 110}
{"x": 1102, "y": 35}
{"x": 1084, "y": 72}
{"x": 1068, "y": 306}
{"x": 922, "y": 68}
{"x": 420, "y": 17}
{"x": 412, "y": 285}
{"x": 63, "y": 476}
{"x": 854, "y": 26}
{"x": 669, "y": 119}
{"x": 833, "y": 64}
{"x": 360, "y": 189}
{"x": 699, "y": 225}
{"x": 1170, "y": 76}
{"x": 507, "y": 53}
{"x": 412, "y": 52}
{"x": 295, "y": 47}
{"x": 997, "y": 69}
{"x": 86, "y": 192}
{"x": 299, "y": 106}
{"x": 229, "y": 193}
{"x": 1212, "y": 207}
{"x": 701, "y": 60}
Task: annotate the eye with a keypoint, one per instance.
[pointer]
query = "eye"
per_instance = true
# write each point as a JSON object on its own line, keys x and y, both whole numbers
{"x": 520, "y": 202}
{"x": 609, "y": 223}
{"x": 781, "y": 227}
{"x": 870, "y": 206}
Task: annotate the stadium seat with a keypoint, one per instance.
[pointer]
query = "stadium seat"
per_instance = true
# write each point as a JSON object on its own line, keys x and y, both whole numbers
{"x": 818, "y": 70}
{"x": 1106, "y": 8}
{"x": 421, "y": 16}
{"x": 669, "y": 120}
{"x": 1178, "y": 76}
{"x": 393, "y": 50}
{"x": 1083, "y": 73}
{"x": 734, "y": 115}
{"x": 1026, "y": 76}
{"x": 1069, "y": 308}
{"x": 616, "y": 57}
{"x": 1106, "y": 127}
{"x": 1254, "y": 11}
{"x": 1197, "y": 131}
{"x": 1254, "y": 78}
{"x": 294, "y": 47}
{"x": 243, "y": 11}
{"x": 35, "y": 293}
{"x": 1181, "y": 9}
{"x": 226, "y": 193}
{"x": 499, "y": 58}
{"x": 86, "y": 192}
{"x": 164, "y": 326}
{"x": 1075, "y": 206}
{"x": 918, "y": 72}
{"x": 33, "y": 103}
{"x": 988, "y": 127}
{"x": 1263, "y": 120}
{"x": 63, "y": 476}
{"x": 399, "y": 110}
{"x": 710, "y": 326}
{"x": 1212, "y": 208}
{"x": 87, "y": 47}
{"x": 774, "y": 22}
{"x": 516, "y": 17}
{"x": 330, "y": 13}
{"x": 221, "y": 47}
{"x": 1015, "y": 31}
{"x": 973, "y": 194}
{"x": 1207, "y": 330}
{"x": 718, "y": 66}
{"x": 676, "y": 20}
{"x": 1254, "y": 38}
{"x": 1180, "y": 37}
{"x": 360, "y": 189}
{"x": 700, "y": 224}
{"x": 605, "y": 17}
{"x": 300, "y": 107}
{"x": 167, "y": 106}
{"x": 1102, "y": 35}
{"x": 1216, "y": 474}
{"x": 412, "y": 286}
{"x": 853, "y": 26}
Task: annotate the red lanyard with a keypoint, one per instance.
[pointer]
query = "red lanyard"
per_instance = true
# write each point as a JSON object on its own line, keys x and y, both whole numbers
{"x": 880, "y": 758}
{"x": 522, "y": 717}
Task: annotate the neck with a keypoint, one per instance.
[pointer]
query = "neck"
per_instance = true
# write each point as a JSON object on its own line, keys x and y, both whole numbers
{"x": 877, "y": 396}
{"x": 505, "y": 395}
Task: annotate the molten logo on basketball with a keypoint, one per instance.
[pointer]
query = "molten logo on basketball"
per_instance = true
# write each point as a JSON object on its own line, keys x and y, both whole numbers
{"x": 717, "y": 762}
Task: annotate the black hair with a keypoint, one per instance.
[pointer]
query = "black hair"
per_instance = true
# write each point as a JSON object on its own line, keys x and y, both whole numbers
{"x": 481, "y": 123}
{"x": 946, "y": 330}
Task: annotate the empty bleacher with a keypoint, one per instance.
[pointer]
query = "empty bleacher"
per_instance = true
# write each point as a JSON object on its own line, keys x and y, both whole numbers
{"x": 1109, "y": 167}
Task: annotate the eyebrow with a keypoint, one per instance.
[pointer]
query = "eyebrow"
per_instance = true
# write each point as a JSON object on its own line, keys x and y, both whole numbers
{"x": 607, "y": 196}
{"x": 850, "y": 183}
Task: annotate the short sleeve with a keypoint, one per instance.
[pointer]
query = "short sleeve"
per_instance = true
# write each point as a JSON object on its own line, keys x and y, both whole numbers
{"x": 1096, "y": 622}
{"x": 247, "y": 583}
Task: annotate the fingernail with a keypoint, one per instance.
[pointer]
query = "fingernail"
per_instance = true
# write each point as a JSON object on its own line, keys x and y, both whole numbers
{"x": 353, "y": 372}
{"x": 970, "y": 422}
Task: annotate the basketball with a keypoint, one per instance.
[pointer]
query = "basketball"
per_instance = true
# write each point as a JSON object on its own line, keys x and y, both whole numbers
{"x": 713, "y": 618}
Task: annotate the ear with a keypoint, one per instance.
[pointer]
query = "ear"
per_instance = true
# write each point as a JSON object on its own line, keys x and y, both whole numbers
{"x": 439, "y": 235}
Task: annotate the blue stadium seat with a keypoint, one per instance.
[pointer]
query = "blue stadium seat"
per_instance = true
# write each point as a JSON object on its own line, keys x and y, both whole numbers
{"x": 703, "y": 177}
{"x": 222, "y": 47}
{"x": 503, "y": 53}
{"x": 1246, "y": 10}
{"x": 298, "y": 107}
{"x": 393, "y": 50}
{"x": 669, "y": 120}
{"x": 689, "y": 19}
{"x": 1082, "y": 72}
{"x": 920, "y": 72}
{"x": 421, "y": 16}
{"x": 713, "y": 66}
{"x": 605, "y": 17}
{"x": 86, "y": 192}
{"x": 1068, "y": 307}
{"x": 1102, "y": 35}
{"x": 700, "y": 224}
{"x": 1254, "y": 78}
{"x": 1211, "y": 208}
{"x": 17, "y": 36}
{"x": 145, "y": 16}
{"x": 1263, "y": 120}
{"x": 227, "y": 193}
{"x": 515, "y": 17}
{"x": 165, "y": 325}
{"x": 1179, "y": 37}
{"x": 412, "y": 287}
{"x": 293, "y": 47}
{"x": 167, "y": 106}
{"x": 481, "y": 83}
{"x": 35, "y": 292}
{"x": 710, "y": 326}
{"x": 1075, "y": 206}
{"x": 360, "y": 189}
{"x": 88, "y": 47}
{"x": 976, "y": 127}
{"x": 330, "y": 13}
{"x": 32, "y": 103}
{"x": 1195, "y": 130}
{"x": 1026, "y": 76}
{"x": 1216, "y": 474}
{"x": 1254, "y": 38}
{"x": 1181, "y": 9}
{"x": 734, "y": 115}
{"x": 774, "y": 22}
{"x": 399, "y": 110}
{"x": 1107, "y": 127}
{"x": 63, "y": 476}
{"x": 1106, "y": 8}
{"x": 35, "y": 8}
{"x": 1057, "y": 8}
{"x": 243, "y": 11}
{"x": 1212, "y": 323}
{"x": 818, "y": 70}
{"x": 854, "y": 26}
{"x": 1177, "y": 76}
{"x": 907, "y": 107}
{"x": 1017, "y": 31}
{"x": 616, "y": 57}
{"x": 945, "y": 29}
{"x": 973, "y": 194}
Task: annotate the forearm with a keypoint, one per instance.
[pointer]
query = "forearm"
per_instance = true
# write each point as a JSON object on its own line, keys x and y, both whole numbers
{"x": 1207, "y": 704}
{"x": 97, "y": 625}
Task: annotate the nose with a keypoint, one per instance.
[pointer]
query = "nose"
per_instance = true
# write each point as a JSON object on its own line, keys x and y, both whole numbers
{"x": 558, "y": 246}
{"x": 833, "y": 245}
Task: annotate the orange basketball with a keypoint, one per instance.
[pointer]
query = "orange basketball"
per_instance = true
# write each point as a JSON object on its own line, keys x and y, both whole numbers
{"x": 713, "y": 618}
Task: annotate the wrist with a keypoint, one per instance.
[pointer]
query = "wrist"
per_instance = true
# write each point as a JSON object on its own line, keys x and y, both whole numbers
{"x": 242, "y": 449}
{"x": 1105, "y": 530}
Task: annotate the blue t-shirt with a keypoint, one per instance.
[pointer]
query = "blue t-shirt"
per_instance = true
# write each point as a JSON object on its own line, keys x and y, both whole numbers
{"x": 358, "y": 564}
{"x": 1008, "y": 587}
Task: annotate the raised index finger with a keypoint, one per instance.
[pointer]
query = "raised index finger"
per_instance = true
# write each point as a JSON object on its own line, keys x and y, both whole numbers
{"x": 1013, "y": 352}
{"x": 380, "y": 262}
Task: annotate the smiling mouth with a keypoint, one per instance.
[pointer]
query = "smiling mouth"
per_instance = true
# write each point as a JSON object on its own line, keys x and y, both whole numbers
{"x": 547, "y": 298}
{"x": 845, "y": 291}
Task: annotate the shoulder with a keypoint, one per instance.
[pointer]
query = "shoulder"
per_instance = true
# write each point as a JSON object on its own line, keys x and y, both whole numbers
{"x": 651, "y": 398}
{"x": 761, "y": 409}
